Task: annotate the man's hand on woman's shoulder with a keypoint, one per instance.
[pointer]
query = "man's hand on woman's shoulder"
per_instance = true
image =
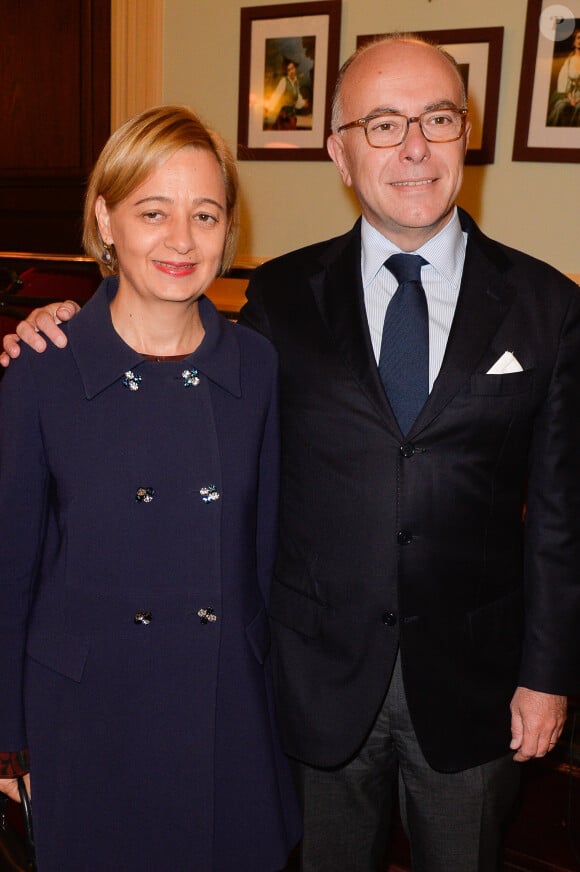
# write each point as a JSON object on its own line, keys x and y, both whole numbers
{"x": 40, "y": 321}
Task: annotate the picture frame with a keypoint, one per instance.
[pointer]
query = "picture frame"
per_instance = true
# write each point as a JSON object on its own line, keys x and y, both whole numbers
{"x": 478, "y": 52}
{"x": 289, "y": 57}
{"x": 546, "y": 128}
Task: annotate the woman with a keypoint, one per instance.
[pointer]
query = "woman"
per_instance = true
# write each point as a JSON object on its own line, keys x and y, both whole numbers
{"x": 565, "y": 103}
{"x": 139, "y": 472}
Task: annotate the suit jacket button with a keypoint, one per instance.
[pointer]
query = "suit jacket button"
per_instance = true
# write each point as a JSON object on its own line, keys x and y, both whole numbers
{"x": 404, "y": 537}
{"x": 407, "y": 450}
{"x": 389, "y": 618}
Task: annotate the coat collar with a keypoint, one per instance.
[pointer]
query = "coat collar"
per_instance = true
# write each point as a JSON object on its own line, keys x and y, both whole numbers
{"x": 484, "y": 299}
{"x": 103, "y": 358}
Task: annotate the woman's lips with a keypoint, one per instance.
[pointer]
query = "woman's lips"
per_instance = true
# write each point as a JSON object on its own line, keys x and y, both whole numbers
{"x": 175, "y": 269}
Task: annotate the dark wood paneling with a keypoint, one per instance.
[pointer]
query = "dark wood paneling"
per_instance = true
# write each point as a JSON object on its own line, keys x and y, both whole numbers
{"x": 55, "y": 106}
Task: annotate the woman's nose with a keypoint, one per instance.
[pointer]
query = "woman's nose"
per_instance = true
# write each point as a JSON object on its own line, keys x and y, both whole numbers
{"x": 180, "y": 236}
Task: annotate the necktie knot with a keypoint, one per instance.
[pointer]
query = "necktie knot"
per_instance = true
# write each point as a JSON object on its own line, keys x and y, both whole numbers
{"x": 405, "y": 267}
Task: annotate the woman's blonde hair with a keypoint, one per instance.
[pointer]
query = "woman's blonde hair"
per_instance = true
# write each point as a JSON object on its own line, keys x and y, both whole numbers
{"x": 133, "y": 152}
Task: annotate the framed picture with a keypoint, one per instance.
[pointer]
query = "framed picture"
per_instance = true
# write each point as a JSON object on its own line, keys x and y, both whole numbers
{"x": 478, "y": 52}
{"x": 548, "y": 114}
{"x": 288, "y": 66}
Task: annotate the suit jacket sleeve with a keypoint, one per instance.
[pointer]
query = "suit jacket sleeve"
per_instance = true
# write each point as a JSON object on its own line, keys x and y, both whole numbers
{"x": 551, "y": 651}
{"x": 253, "y": 313}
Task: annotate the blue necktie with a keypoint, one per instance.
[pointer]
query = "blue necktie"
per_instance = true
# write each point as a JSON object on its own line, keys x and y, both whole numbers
{"x": 404, "y": 359}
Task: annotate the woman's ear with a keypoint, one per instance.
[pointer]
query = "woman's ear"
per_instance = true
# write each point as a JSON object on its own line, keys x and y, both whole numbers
{"x": 103, "y": 220}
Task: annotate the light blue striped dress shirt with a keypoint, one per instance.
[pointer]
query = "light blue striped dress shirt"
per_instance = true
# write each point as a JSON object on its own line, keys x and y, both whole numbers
{"x": 441, "y": 278}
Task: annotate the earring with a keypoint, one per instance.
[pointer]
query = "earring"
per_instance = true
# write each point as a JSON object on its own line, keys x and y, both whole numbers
{"x": 106, "y": 256}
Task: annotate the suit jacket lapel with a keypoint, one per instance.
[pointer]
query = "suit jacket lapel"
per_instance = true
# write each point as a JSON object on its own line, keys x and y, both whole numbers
{"x": 484, "y": 300}
{"x": 337, "y": 289}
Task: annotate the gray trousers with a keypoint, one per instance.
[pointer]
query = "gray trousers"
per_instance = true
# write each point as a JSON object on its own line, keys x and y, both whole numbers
{"x": 453, "y": 821}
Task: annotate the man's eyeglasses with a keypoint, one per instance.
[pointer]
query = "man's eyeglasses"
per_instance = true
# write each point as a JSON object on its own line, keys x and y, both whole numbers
{"x": 388, "y": 129}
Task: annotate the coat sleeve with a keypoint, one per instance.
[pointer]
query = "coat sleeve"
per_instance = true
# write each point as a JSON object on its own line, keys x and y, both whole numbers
{"x": 23, "y": 494}
{"x": 551, "y": 652}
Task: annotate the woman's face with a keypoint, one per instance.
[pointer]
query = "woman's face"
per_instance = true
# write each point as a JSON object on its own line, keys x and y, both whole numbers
{"x": 169, "y": 233}
{"x": 291, "y": 71}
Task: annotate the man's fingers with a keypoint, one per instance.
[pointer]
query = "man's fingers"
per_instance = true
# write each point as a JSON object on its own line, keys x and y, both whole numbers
{"x": 11, "y": 344}
{"x": 28, "y": 334}
{"x": 537, "y": 722}
{"x": 66, "y": 310}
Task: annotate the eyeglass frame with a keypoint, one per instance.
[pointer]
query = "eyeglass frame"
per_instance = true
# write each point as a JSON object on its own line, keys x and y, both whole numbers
{"x": 365, "y": 121}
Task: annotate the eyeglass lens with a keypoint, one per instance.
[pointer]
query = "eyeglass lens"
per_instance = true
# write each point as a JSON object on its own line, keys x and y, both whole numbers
{"x": 437, "y": 126}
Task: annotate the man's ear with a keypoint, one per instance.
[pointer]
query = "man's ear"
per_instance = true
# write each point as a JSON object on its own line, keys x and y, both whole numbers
{"x": 335, "y": 148}
{"x": 103, "y": 220}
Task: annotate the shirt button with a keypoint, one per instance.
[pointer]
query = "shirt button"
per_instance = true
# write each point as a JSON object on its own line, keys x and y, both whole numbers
{"x": 389, "y": 619}
{"x": 407, "y": 450}
{"x": 404, "y": 537}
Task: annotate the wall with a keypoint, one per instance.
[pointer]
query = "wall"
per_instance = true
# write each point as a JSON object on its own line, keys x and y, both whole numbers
{"x": 288, "y": 204}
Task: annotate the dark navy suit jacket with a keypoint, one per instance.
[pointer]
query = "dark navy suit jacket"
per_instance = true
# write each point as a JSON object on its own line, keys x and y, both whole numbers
{"x": 419, "y": 541}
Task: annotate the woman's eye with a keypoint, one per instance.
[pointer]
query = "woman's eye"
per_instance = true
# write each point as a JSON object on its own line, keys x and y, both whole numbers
{"x": 206, "y": 218}
{"x": 152, "y": 216}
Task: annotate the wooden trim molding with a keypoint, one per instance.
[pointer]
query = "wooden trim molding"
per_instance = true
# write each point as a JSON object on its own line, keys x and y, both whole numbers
{"x": 227, "y": 292}
{"x": 136, "y": 57}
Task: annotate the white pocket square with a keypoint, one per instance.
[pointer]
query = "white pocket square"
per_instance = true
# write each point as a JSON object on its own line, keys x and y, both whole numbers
{"x": 504, "y": 364}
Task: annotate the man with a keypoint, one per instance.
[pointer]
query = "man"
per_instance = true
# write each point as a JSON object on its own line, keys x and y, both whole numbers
{"x": 420, "y": 632}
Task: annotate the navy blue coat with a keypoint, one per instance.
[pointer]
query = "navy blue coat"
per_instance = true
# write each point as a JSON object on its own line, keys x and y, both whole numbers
{"x": 139, "y": 509}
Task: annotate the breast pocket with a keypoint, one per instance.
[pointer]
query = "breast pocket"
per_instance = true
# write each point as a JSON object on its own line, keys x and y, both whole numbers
{"x": 507, "y": 385}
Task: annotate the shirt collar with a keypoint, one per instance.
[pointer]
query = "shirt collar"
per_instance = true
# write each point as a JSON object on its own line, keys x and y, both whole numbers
{"x": 445, "y": 251}
{"x": 103, "y": 357}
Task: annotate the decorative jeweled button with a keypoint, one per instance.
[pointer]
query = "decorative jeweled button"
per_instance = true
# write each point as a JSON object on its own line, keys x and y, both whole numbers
{"x": 207, "y": 616}
{"x": 190, "y": 378}
{"x": 144, "y": 494}
{"x": 210, "y": 493}
{"x": 143, "y": 618}
{"x": 131, "y": 380}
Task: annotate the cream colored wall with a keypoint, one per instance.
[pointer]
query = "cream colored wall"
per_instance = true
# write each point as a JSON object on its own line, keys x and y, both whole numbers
{"x": 532, "y": 206}
{"x": 136, "y": 57}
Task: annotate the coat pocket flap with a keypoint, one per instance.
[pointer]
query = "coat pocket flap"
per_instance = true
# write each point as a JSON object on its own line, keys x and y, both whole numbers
{"x": 60, "y": 652}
